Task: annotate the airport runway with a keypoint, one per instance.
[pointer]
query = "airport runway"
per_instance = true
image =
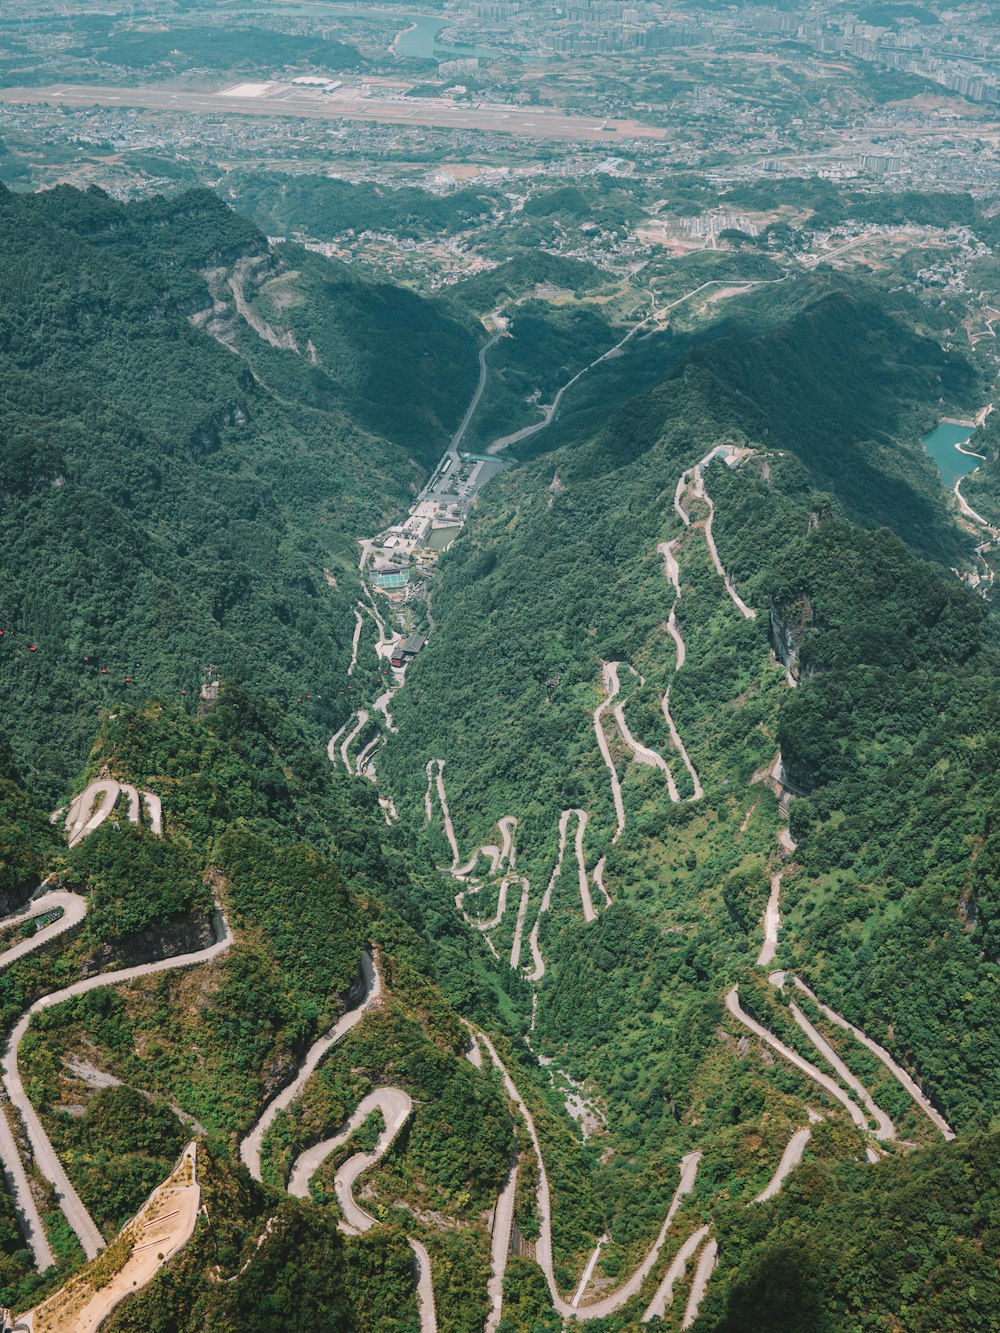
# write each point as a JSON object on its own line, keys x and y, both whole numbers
{"x": 352, "y": 103}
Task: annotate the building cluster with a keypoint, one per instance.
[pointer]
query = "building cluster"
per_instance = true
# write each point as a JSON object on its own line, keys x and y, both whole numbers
{"x": 953, "y": 60}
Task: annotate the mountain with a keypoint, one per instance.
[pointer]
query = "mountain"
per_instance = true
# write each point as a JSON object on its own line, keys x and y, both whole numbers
{"x": 195, "y": 489}
{"x": 652, "y": 979}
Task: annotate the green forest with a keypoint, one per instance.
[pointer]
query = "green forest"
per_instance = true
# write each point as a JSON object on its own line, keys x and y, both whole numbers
{"x": 735, "y": 515}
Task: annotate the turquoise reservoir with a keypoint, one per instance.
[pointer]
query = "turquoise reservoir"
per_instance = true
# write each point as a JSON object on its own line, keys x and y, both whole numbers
{"x": 951, "y": 462}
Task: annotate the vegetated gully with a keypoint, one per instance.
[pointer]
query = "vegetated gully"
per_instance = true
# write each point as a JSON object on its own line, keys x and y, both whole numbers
{"x": 500, "y": 865}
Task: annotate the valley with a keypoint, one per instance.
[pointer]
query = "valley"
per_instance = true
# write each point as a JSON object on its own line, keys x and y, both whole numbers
{"x": 508, "y": 750}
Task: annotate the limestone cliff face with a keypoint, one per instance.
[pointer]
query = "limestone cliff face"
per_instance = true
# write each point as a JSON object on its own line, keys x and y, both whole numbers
{"x": 187, "y": 935}
{"x": 789, "y": 624}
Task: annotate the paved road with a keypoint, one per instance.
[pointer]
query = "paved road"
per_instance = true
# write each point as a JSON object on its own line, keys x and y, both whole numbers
{"x": 790, "y": 1159}
{"x": 699, "y": 1283}
{"x": 664, "y": 1296}
{"x": 470, "y": 411}
{"x": 395, "y": 1108}
{"x": 610, "y": 676}
{"x": 503, "y": 1221}
{"x": 425, "y": 1287}
{"x": 543, "y": 1246}
{"x": 793, "y": 1058}
{"x": 93, "y": 805}
{"x": 551, "y": 412}
{"x": 700, "y": 490}
{"x": 642, "y": 754}
{"x": 154, "y": 810}
{"x": 885, "y": 1129}
{"x": 538, "y": 970}
{"x": 74, "y": 909}
{"x": 251, "y": 1145}
{"x": 346, "y": 742}
{"x": 772, "y": 923}
{"x": 679, "y": 746}
{"x": 45, "y": 1155}
{"x": 882, "y": 1054}
{"x": 358, "y": 622}
{"x": 84, "y": 815}
{"x": 608, "y": 1304}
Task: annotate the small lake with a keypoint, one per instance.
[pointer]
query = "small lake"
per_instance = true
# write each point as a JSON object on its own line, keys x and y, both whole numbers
{"x": 951, "y": 462}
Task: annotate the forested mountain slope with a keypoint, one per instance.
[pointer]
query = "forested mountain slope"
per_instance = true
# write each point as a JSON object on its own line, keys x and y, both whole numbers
{"x": 884, "y": 706}
{"x": 170, "y": 499}
{"x": 666, "y": 940}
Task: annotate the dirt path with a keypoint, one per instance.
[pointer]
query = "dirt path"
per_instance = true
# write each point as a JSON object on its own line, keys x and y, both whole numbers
{"x": 161, "y": 1228}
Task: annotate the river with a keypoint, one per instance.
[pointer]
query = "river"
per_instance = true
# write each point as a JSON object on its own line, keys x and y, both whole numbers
{"x": 951, "y": 462}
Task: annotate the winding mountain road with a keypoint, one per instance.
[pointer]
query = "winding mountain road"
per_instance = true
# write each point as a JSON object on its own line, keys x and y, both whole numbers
{"x": 793, "y": 1058}
{"x": 611, "y": 691}
{"x": 880, "y": 1053}
{"x": 702, "y": 493}
{"x": 345, "y": 744}
{"x": 611, "y": 1302}
{"x": 250, "y": 1147}
{"x": 74, "y": 909}
{"x": 44, "y": 1154}
{"x": 395, "y": 1107}
{"x": 91, "y": 808}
